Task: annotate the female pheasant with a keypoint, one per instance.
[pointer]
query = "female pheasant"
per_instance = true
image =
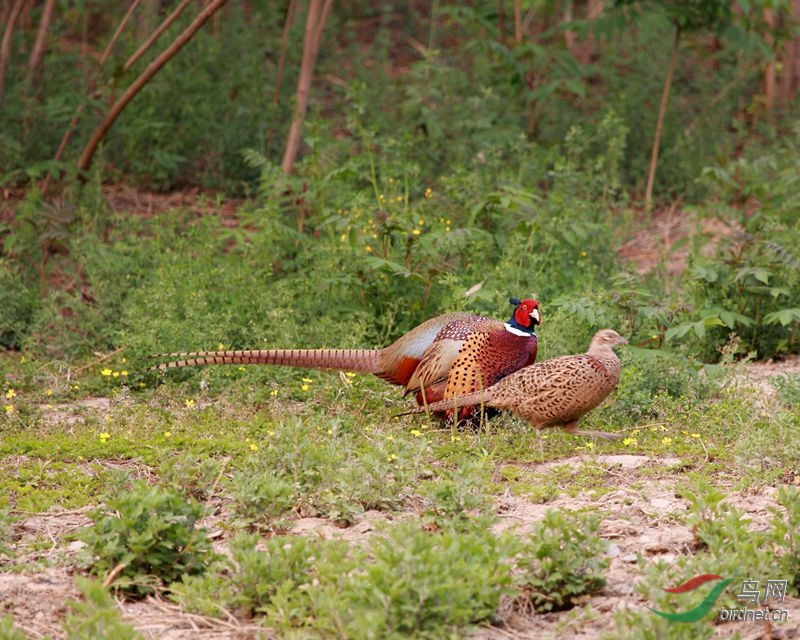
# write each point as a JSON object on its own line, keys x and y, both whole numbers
{"x": 553, "y": 393}
{"x": 446, "y": 356}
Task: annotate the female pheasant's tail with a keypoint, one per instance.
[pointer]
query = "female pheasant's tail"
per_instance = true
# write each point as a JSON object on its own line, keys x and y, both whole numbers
{"x": 482, "y": 397}
{"x": 359, "y": 360}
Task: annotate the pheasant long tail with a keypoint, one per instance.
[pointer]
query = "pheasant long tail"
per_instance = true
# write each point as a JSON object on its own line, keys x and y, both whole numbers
{"x": 466, "y": 400}
{"x": 360, "y": 360}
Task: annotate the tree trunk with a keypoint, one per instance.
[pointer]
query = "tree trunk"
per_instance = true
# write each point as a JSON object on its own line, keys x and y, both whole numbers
{"x": 662, "y": 111}
{"x": 40, "y": 45}
{"x": 770, "y": 73}
{"x": 154, "y": 67}
{"x": 5, "y": 45}
{"x": 287, "y": 26}
{"x": 790, "y": 60}
{"x": 317, "y": 16}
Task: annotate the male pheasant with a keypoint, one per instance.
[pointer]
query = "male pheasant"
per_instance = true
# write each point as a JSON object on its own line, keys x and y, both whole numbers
{"x": 553, "y": 393}
{"x": 446, "y": 356}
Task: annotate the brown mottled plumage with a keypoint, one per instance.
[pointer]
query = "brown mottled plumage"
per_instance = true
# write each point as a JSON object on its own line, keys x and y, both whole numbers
{"x": 451, "y": 354}
{"x": 553, "y": 393}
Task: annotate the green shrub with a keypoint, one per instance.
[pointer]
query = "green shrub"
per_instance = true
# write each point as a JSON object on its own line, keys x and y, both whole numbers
{"x": 785, "y": 535}
{"x": 561, "y": 561}
{"x": 150, "y": 532}
{"x": 261, "y": 499}
{"x": 788, "y": 387}
{"x": 459, "y": 497}
{"x": 96, "y": 616}
{"x": 9, "y": 631}
{"x": 420, "y": 584}
{"x": 404, "y": 581}
{"x": 748, "y": 284}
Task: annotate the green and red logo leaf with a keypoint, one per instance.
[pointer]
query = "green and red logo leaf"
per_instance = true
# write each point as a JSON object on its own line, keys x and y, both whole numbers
{"x": 702, "y": 609}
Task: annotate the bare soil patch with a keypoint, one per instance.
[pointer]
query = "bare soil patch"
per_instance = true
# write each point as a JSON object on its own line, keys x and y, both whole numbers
{"x": 643, "y": 517}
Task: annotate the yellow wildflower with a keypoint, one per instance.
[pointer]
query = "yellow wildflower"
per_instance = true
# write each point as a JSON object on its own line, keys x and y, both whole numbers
{"x": 105, "y": 436}
{"x": 11, "y": 394}
{"x": 106, "y": 372}
{"x": 695, "y": 435}
{"x": 9, "y": 408}
{"x": 273, "y": 393}
{"x": 350, "y": 374}
{"x": 630, "y": 442}
{"x": 416, "y": 232}
{"x": 415, "y": 432}
{"x": 391, "y": 457}
{"x": 304, "y": 387}
{"x": 189, "y": 403}
{"x": 123, "y": 373}
{"x": 666, "y": 441}
{"x": 253, "y": 446}
{"x": 307, "y": 380}
{"x": 428, "y": 192}
{"x": 168, "y": 434}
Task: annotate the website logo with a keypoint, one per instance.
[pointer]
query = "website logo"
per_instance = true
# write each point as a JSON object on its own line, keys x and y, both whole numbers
{"x": 774, "y": 590}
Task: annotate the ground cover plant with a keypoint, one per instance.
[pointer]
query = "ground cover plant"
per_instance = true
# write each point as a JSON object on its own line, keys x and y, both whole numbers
{"x": 460, "y": 165}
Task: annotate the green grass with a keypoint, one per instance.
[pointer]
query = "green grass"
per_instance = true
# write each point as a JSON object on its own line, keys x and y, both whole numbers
{"x": 317, "y": 445}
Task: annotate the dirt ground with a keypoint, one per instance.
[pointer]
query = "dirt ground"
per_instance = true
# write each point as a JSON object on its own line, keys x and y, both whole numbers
{"x": 643, "y": 524}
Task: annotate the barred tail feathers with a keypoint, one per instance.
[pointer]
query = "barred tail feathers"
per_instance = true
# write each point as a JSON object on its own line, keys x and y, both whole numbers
{"x": 359, "y": 360}
{"x": 458, "y": 402}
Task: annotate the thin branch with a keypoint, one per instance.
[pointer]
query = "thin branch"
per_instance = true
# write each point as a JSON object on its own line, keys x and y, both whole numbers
{"x": 152, "y": 69}
{"x": 156, "y": 34}
{"x": 62, "y": 147}
{"x": 118, "y": 32}
{"x": 662, "y": 110}
{"x": 37, "y": 53}
{"x": 5, "y": 45}
{"x": 315, "y": 23}
{"x": 287, "y": 25}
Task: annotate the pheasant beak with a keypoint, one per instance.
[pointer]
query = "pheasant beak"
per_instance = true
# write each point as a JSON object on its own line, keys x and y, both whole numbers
{"x": 535, "y": 317}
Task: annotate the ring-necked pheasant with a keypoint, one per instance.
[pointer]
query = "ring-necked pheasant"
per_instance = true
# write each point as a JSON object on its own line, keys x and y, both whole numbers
{"x": 446, "y": 356}
{"x": 553, "y": 393}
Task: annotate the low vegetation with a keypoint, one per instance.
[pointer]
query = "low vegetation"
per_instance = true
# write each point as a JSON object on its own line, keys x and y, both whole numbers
{"x": 277, "y": 500}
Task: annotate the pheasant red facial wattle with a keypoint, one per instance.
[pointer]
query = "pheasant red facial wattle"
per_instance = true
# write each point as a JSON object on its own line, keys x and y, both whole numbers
{"x": 526, "y": 313}
{"x": 448, "y": 355}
